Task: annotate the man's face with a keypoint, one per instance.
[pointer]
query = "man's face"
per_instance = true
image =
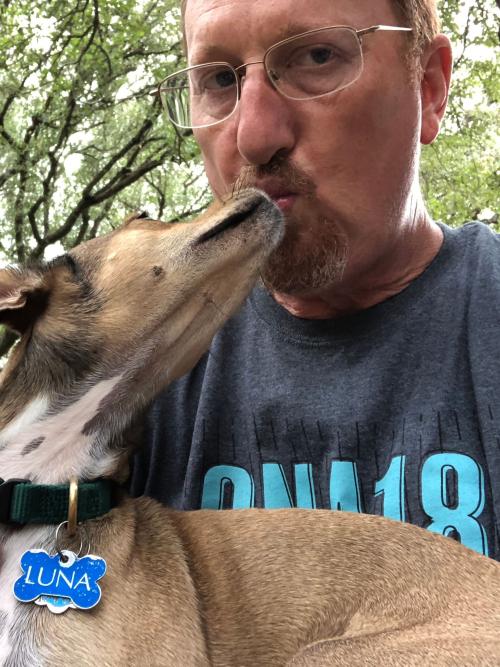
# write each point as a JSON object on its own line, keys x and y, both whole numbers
{"x": 342, "y": 167}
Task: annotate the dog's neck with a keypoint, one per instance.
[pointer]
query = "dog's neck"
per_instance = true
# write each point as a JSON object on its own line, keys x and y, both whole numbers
{"x": 110, "y": 324}
{"x": 62, "y": 428}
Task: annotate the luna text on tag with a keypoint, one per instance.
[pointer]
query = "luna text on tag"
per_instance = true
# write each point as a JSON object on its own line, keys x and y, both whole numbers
{"x": 74, "y": 579}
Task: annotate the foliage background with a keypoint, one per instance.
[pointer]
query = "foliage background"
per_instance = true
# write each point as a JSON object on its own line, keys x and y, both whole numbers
{"x": 461, "y": 170}
{"x": 82, "y": 141}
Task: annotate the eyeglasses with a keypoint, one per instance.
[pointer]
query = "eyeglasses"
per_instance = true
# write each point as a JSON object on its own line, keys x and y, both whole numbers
{"x": 313, "y": 64}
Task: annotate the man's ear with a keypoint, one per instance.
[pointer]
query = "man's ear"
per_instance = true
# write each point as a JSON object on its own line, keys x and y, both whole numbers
{"x": 23, "y": 295}
{"x": 437, "y": 65}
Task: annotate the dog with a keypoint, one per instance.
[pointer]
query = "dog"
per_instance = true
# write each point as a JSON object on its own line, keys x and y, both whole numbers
{"x": 102, "y": 330}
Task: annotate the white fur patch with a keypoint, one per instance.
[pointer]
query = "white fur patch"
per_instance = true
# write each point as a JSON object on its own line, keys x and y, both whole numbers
{"x": 33, "y": 412}
{"x": 12, "y": 550}
{"x": 65, "y": 450}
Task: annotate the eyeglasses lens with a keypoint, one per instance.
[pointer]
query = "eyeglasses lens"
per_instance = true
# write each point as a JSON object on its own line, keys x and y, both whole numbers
{"x": 201, "y": 95}
{"x": 302, "y": 67}
{"x": 316, "y": 63}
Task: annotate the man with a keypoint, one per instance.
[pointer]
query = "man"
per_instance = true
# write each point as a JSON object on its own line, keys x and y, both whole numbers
{"x": 361, "y": 374}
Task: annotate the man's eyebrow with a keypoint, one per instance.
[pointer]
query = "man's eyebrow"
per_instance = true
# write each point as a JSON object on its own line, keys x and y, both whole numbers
{"x": 211, "y": 53}
{"x": 223, "y": 53}
{"x": 295, "y": 28}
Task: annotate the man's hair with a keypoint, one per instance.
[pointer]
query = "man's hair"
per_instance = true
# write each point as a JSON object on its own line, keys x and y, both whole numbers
{"x": 421, "y": 15}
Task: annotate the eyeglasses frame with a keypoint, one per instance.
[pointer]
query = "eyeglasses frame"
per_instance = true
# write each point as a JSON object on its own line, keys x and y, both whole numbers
{"x": 241, "y": 69}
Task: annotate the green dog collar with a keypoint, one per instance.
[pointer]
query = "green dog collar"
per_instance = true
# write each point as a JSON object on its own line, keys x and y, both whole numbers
{"x": 22, "y": 502}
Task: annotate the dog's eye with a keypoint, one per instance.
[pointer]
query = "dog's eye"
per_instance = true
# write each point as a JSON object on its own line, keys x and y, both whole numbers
{"x": 66, "y": 261}
{"x": 143, "y": 224}
{"x": 136, "y": 216}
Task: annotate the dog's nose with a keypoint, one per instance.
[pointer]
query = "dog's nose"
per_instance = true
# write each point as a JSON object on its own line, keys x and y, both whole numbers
{"x": 241, "y": 212}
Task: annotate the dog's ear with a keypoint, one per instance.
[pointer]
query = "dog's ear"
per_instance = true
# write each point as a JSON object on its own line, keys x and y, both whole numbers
{"x": 23, "y": 293}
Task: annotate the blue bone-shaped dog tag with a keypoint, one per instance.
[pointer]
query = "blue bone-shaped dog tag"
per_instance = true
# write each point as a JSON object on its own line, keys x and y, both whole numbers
{"x": 73, "y": 581}
{"x": 53, "y": 604}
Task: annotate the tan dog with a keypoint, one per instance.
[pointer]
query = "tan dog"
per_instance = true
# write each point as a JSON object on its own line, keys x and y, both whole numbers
{"x": 102, "y": 330}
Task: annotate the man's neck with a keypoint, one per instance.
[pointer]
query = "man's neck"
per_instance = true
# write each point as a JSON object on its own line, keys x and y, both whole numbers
{"x": 390, "y": 274}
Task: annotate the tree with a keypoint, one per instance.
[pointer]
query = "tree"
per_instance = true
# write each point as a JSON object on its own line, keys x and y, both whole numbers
{"x": 78, "y": 127}
{"x": 460, "y": 171}
{"x": 82, "y": 141}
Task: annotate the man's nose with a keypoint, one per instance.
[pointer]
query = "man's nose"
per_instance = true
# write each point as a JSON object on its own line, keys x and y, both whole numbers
{"x": 265, "y": 119}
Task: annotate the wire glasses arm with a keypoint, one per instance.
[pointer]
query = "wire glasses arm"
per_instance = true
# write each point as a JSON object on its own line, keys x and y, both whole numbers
{"x": 375, "y": 28}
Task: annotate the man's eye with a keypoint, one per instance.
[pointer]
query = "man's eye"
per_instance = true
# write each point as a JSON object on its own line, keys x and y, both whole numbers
{"x": 218, "y": 80}
{"x": 320, "y": 55}
{"x": 312, "y": 56}
{"x": 225, "y": 79}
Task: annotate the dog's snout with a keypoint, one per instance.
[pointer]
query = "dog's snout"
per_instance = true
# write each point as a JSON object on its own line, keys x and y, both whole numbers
{"x": 242, "y": 212}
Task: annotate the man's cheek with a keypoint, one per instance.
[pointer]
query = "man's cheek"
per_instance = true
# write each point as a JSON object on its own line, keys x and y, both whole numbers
{"x": 217, "y": 166}
{"x": 212, "y": 174}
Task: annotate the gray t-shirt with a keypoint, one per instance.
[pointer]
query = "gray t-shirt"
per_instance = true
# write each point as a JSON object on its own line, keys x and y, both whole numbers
{"x": 394, "y": 410}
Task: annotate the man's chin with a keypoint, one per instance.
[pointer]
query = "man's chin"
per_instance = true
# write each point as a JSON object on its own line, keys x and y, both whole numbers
{"x": 294, "y": 270}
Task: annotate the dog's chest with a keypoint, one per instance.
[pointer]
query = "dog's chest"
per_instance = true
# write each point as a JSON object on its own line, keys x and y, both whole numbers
{"x": 17, "y": 640}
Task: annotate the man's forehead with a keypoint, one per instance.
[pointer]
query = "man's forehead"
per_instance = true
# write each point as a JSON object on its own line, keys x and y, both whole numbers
{"x": 211, "y": 22}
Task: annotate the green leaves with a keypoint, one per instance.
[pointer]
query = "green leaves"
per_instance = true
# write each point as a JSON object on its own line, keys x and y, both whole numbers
{"x": 82, "y": 142}
{"x": 461, "y": 170}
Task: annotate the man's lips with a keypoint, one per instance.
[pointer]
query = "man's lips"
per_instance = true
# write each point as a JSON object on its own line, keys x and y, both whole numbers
{"x": 285, "y": 200}
{"x": 281, "y": 196}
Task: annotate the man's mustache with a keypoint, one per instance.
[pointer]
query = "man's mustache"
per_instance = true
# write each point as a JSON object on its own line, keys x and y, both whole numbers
{"x": 281, "y": 171}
